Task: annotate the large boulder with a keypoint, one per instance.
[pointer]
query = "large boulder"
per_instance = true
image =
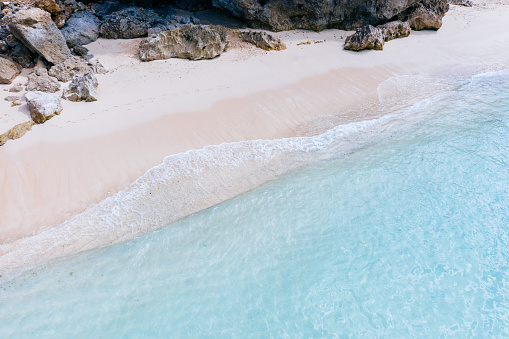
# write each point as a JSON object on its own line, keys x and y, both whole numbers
{"x": 43, "y": 106}
{"x": 129, "y": 23}
{"x": 186, "y": 42}
{"x": 314, "y": 14}
{"x": 427, "y": 14}
{"x": 367, "y": 37}
{"x": 9, "y": 70}
{"x": 263, "y": 40}
{"x": 39, "y": 33}
{"x": 39, "y": 80}
{"x": 80, "y": 29}
{"x": 82, "y": 88}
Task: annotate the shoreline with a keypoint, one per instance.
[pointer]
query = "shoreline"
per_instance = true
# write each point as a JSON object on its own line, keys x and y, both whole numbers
{"x": 72, "y": 169}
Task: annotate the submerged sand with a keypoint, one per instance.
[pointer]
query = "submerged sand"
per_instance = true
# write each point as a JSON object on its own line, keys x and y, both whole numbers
{"x": 148, "y": 111}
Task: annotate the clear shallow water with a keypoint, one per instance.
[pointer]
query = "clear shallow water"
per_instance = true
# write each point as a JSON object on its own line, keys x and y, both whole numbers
{"x": 409, "y": 237}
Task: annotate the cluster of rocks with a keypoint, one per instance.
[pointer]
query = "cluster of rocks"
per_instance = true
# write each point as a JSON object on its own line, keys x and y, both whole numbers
{"x": 426, "y": 14}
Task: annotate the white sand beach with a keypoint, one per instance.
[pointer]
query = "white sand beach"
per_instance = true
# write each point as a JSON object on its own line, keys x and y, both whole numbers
{"x": 149, "y": 110}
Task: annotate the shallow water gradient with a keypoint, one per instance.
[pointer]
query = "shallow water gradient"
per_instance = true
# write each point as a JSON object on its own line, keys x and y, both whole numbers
{"x": 406, "y": 238}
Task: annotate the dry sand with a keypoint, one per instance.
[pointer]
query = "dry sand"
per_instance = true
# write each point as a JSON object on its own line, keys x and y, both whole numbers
{"x": 147, "y": 111}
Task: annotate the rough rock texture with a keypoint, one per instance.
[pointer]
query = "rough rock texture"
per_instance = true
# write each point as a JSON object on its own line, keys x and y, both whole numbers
{"x": 129, "y": 23}
{"x": 395, "y": 30}
{"x": 314, "y": 14}
{"x": 48, "y": 6}
{"x": 23, "y": 56}
{"x": 39, "y": 33}
{"x": 466, "y": 3}
{"x": 82, "y": 87}
{"x": 262, "y": 40}
{"x": 9, "y": 70}
{"x": 187, "y": 42}
{"x": 73, "y": 66}
{"x": 427, "y": 14}
{"x": 43, "y": 106}
{"x": 193, "y": 5}
{"x": 367, "y": 37}
{"x": 39, "y": 80}
{"x": 16, "y": 132}
{"x": 81, "y": 28}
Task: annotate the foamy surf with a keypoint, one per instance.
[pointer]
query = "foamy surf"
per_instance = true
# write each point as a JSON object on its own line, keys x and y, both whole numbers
{"x": 198, "y": 179}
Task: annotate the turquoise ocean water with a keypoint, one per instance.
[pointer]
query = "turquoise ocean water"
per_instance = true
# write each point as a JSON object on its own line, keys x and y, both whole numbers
{"x": 408, "y": 237}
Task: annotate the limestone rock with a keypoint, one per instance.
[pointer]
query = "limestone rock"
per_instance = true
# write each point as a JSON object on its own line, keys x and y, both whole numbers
{"x": 39, "y": 80}
{"x": 129, "y": 23}
{"x": 73, "y": 66}
{"x": 367, "y": 37}
{"x": 39, "y": 33}
{"x": 16, "y": 132}
{"x": 313, "y": 14}
{"x": 187, "y": 42}
{"x": 82, "y": 87}
{"x": 9, "y": 70}
{"x": 16, "y": 88}
{"x": 43, "y": 106}
{"x": 395, "y": 30}
{"x": 263, "y": 40}
{"x": 427, "y": 14}
{"x": 80, "y": 29}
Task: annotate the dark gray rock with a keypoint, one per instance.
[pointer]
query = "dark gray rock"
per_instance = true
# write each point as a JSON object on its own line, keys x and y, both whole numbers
{"x": 80, "y": 51}
{"x": 193, "y": 5}
{"x": 129, "y": 23}
{"x": 23, "y": 56}
{"x": 427, "y": 14}
{"x": 314, "y": 14}
{"x": 187, "y": 42}
{"x": 466, "y": 3}
{"x": 367, "y": 37}
{"x": 105, "y": 8}
{"x": 80, "y": 29}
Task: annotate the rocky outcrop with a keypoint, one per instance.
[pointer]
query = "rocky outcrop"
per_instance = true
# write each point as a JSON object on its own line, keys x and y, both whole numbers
{"x": 186, "y": 42}
{"x": 367, "y": 37}
{"x": 314, "y": 14}
{"x": 43, "y": 106}
{"x": 9, "y": 70}
{"x": 39, "y": 80}
{"x": 466, "y": 3}
{"x": 129, "y": 23}
{"x": 395, "y": 30}
{"x": 66, "y": 70}
{"x": 82, "y": 88}
{"x": 39, "y": 33}
{"x": 426, "y": 14}
{"x": 80, "y": 29}
{"x": 262, "y": 40}
{"x": 16, "y": 132}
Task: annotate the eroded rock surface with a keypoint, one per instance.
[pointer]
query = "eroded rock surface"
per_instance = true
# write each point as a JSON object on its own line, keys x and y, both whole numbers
{"x": 427, "y": 14}
{"x": 9, "y": 70}
{"x": 43, "y": 106}
{"x": 367, "y": 37}
{"x": 39, "y": 80}
{"x": 82, "y": 28}
{"x": 395, "y": 30}
{"x": 263, "y": 40}
{"x": 129, "y": 23}
{"x": 466, "y": 3}
{"x": 186, "y": 42}
{"x": 82, "y": 88}
{"x": 39, "y": 33}
{"x": 314, "y": 14}
{"x": 16, "y": 132}
{"x": 66, "y": 70}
